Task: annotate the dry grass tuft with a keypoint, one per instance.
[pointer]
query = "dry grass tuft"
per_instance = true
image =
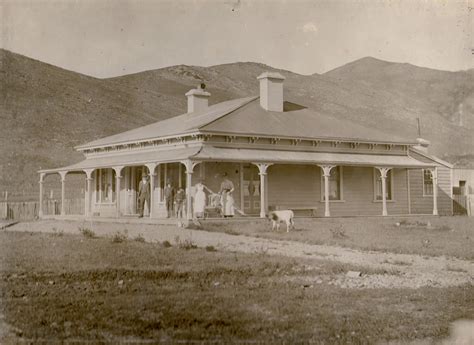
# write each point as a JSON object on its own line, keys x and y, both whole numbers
{"x": 87, "y": 233}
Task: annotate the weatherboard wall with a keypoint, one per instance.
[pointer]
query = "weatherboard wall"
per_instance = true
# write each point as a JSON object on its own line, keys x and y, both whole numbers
{"x": 423, "y": 204}
{"x": 298, "y": 186}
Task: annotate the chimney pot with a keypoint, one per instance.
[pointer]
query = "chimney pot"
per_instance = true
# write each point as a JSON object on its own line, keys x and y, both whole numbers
{"x": 422, "y": 144}
{"x": 271, "y": 91}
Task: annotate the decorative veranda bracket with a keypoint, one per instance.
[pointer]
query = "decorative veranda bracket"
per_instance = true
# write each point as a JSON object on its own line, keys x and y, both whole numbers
{"x": 262, "y": 167}
{"x": 63, "y": 175}
{"x": 327, "y": 169}
{"x": 433, "y": 173}
{"x": 118, "y": 171}
{"x": 151, "y": 168}
{"x": 189, "y": 165}
{"x": 89, "y": 173}
{"x": 383, "y": 171}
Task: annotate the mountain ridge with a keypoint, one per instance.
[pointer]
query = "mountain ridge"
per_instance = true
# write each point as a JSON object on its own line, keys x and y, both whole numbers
{"x": 46, "y": 110}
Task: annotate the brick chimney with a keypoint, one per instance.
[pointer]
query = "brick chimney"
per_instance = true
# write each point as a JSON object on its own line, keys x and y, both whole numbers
{"x": 198, "y": 99}
{"x": 271, "y": 91}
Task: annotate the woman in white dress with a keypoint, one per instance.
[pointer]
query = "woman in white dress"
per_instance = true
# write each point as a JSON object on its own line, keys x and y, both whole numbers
{"x": 227, "y": 200}
{"x": 228, "y": 205}
{"x": 199, "y": 200}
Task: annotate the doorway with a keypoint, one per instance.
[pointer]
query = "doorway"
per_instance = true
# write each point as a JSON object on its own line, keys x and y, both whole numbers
{"x": 251, "y": 189}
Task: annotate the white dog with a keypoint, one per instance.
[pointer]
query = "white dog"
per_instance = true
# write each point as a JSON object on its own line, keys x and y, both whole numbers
{"x": 280, "y": 216}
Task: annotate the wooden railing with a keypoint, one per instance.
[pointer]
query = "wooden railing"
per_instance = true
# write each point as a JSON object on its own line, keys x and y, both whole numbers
{"x": 27, "y": 210}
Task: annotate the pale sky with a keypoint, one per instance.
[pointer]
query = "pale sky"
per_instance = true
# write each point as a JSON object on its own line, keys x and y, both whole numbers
{"x": 105, "y": 38}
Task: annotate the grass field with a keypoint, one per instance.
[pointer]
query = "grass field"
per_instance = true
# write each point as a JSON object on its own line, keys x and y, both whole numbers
{"x": 431, "y": 236}
{"x": 57, "y": 287}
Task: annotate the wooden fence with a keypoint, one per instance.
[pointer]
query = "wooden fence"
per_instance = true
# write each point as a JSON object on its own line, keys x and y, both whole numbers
{"x": 462, "y": 204}
{"x": 26, "y": 210}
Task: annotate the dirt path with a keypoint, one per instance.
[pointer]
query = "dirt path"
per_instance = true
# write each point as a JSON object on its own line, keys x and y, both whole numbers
{"x": 402, "y": 270}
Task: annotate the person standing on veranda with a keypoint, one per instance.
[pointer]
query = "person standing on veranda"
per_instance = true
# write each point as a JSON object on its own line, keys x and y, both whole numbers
{"x": 143, "y": 194}
{"x": 169, "y": 198}
{"x": 227, "y": 187}
{"x": 199, "y": 205}
{"x": 179, "y": 200}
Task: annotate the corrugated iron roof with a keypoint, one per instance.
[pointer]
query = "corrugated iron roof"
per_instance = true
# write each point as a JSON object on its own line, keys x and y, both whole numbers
{"x": 301, "y": 122}
{"x": 245, "y": 116}
{"x": 184, "y": 123}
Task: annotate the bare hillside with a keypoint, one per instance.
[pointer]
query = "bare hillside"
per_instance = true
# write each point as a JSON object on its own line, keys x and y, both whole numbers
{"x": 443, "y": 100}
{"x": 45, "y": 110}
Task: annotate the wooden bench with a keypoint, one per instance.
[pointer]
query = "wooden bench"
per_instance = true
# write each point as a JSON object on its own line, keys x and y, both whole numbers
{"x": 311, "y": 209}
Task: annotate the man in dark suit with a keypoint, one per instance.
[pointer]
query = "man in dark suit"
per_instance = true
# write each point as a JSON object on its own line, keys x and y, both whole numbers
{"x": 169, "y": 197}
{"x": 143, "y": 194}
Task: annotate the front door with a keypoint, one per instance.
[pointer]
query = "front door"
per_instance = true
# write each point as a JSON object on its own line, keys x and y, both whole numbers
{"x": 251, "y": 189}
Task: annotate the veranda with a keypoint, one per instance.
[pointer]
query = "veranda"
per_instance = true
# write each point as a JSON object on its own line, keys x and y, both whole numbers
{"x": 310, "y": 189}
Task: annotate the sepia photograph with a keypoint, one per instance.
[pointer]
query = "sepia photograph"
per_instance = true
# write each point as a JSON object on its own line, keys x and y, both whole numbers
{"x": 237, "y": 172}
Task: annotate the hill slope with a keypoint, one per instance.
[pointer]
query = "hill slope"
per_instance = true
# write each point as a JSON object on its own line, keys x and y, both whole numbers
{"x": 449, "y": 95}
{"x": 45, "y": 111}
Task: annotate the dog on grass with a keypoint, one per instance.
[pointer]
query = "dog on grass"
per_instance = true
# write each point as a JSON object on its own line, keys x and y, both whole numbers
{"x": 281, "y": 216}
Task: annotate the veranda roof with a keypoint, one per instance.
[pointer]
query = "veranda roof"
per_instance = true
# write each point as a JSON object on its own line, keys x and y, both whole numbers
{"x": 270, "y": 156}
{"x": 129, "y": 159}
{"x": 210, "y": 153}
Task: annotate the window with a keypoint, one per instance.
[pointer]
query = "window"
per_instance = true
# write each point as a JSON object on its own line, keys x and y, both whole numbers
{"x": 378, "y": 185}
{"x": 427, "y": 182}
{"x": 335, "y": 184}
{"x": 105, "y": 185}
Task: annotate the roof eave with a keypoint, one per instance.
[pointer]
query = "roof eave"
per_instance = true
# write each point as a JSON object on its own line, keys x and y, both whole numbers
{"x": 433, "y": 158}
{"x": 87, "y": 147}
{"x": 408, "y": 143}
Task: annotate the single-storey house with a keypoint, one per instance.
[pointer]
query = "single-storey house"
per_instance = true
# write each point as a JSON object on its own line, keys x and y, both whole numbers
{"x": 278, "y": 154}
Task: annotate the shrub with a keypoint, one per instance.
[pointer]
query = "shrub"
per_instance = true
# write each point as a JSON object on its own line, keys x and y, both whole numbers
{"x": 456, "y": 269}
{"x": 86, "y": 232}
{"x": 58, "y": 233}
{"x": 397, "y": 262}
{"x": 231, "y": 232}
{"x": 426, "y": 243}
{"x": 338, "y": 232}
{"x": 166, "y": 244}
{"x": 139, "y": 238}
{"x": 186, "y": 244}
{"x": 119, "y": 237}
{"x": 444, "y": 228}
{"x": 211, "y": 249}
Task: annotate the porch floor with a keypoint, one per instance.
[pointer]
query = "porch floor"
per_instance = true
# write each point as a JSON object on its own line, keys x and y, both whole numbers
{"x": 136, "y": 220}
